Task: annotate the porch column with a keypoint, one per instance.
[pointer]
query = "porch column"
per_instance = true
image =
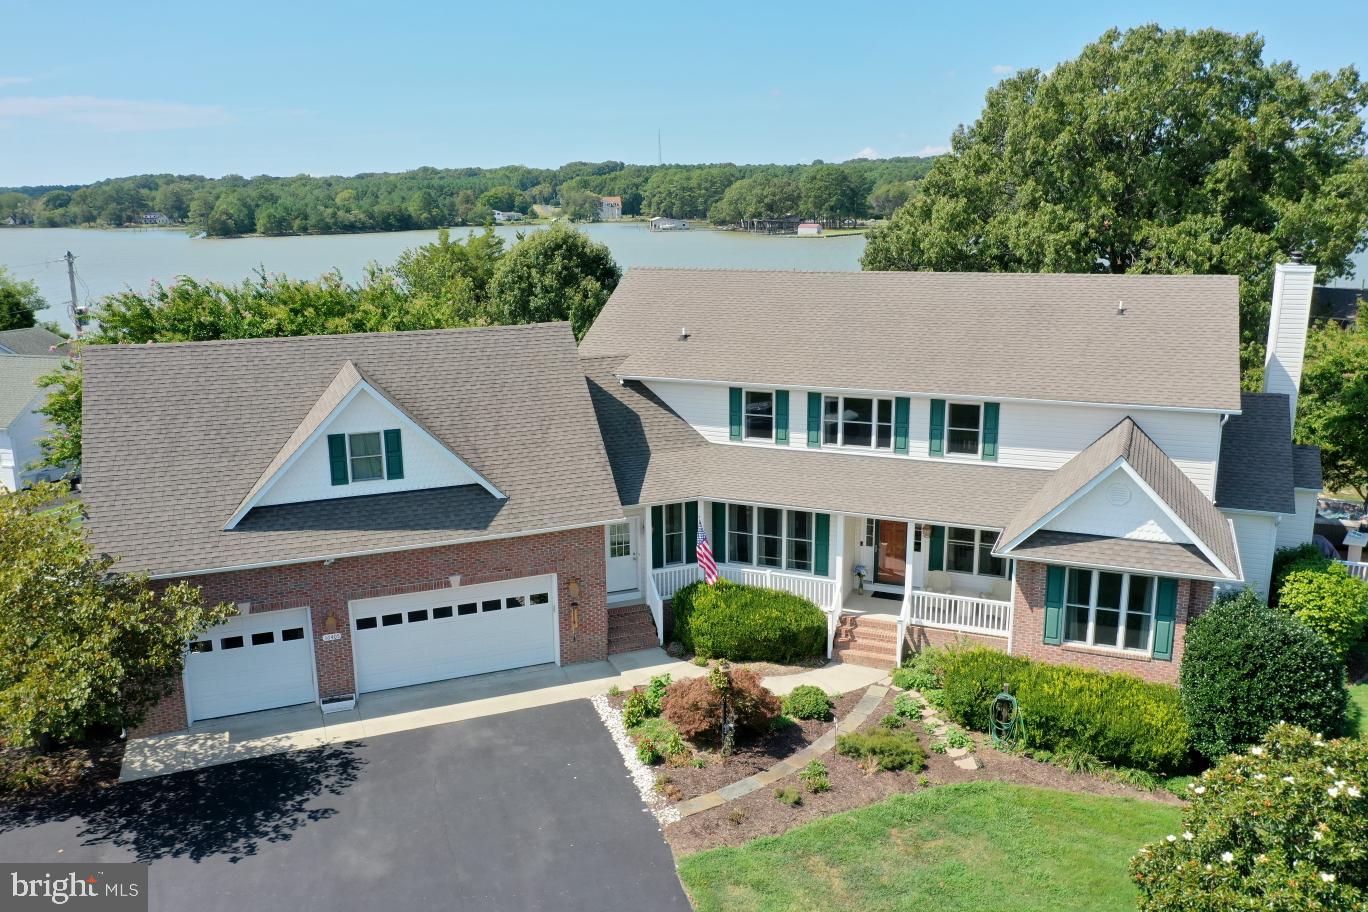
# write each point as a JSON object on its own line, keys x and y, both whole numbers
{"x": 646, "y": 540}
{"x": 838, "y": 560}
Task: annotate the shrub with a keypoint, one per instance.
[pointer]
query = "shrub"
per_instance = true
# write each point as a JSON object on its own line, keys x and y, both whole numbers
{"x": 910, "y": 679}
{"x": 808, "y": 702}
{"x": 695, "y": 705}
{"x": 1247, "y": 666}
{"x": 921, "y": 671}
{"x": 655, "y": 692}
{"x": 892, "y": 721}
{"x": 1119, "y": 718}
{"x": 815, "y": 777}
{"x": 1281, "y": 827}
{"x": 1301, "y": 557}
{"x": 634, "y": 709}
{"x": 884, "y": 750}
{"x": 662, "y": 736}
{"x": 745, "y": 623}
{"x": 906, "y": 707}
{"x": 1329, "y": 601}
{"x": 788, "y": 795}
{"x": 647, "y": 752}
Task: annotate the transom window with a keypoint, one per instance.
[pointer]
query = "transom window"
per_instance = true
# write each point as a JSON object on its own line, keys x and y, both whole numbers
{"x": 1115, "y": 610}
{"x": 759, "y": 415}
{"x": 620, "y": 540}
{"x": 365, "y": 455}
{"x": 674, "y": 533}
{"x": 964, "y": 429}
{"x": 857, "y": 422}
{"x": 971, "y": 551}
{"x": 770, "y": 537}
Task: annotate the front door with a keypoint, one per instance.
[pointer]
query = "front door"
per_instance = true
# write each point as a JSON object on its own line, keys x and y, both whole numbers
{"x": 890, "y": 558}
{"x": 622, "y": 557}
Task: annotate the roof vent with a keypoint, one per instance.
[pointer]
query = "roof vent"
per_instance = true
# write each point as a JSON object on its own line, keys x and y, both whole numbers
{"x": 1120, "y": 308}
{"x": 1297, "y": 256}
{"x": 684, "y": 334}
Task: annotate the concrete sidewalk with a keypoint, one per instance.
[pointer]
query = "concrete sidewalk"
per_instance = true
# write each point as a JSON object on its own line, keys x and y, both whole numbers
{"x": 275, "y": 731}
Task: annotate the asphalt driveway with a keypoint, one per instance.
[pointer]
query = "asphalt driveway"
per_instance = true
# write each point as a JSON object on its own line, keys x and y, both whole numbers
{"x": 522, "y": 811}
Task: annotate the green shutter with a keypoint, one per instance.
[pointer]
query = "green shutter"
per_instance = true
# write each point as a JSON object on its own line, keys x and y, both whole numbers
{"x": 394, "y": 455}
{"x": 690, "y": 531}
{"x": 734, "y": 397}
{"x": 901, "y": 407}
{"x": 990, "y": 431}
{"x": 821, "y": 545}
{"x": 1054, "y": 605}
{"x": 937, "y": 427}
{"x": 657, "y": 537}
{"x": 337, "y": 458}
{"x": 814, "y": 419}
{"x": 936, "y": 559}
{"x": 719, "y": 536}
{"x": 781, "y": 418}
{"x": 1165, "y": 618}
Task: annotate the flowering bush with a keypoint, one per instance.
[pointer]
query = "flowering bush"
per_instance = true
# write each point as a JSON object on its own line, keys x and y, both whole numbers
{"x": 1283, "y": 827}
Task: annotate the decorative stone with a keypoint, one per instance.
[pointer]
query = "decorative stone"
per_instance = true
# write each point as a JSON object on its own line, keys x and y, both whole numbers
{"x": 956, "y": 752}
{"x": 968, "y": 763}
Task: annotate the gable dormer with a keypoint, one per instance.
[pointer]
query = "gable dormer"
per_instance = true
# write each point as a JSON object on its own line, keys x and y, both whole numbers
{"x": 355, "y": 441}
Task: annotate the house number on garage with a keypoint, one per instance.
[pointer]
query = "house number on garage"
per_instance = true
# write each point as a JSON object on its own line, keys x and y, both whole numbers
{"x": 329, "y": 637}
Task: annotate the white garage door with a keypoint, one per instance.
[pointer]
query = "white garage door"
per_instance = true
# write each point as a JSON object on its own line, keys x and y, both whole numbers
{"x": 431, "y": 636}
{"x": 255, "y": 661}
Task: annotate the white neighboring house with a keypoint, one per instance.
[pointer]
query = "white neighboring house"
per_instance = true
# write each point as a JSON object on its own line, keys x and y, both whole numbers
{"x": 610, "y": 208}
{"x": 503, "y": 217}
{"x": 21, "y": 426}
{"x": 810, "y": 229}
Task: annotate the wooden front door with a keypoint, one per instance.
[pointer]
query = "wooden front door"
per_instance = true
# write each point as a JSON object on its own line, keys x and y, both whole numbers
{"x": 890, "y": 560}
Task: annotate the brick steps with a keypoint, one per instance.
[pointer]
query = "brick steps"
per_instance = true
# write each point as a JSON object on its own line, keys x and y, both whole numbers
{"x": 630, "y": 628}
{"x": 865, "y": 641}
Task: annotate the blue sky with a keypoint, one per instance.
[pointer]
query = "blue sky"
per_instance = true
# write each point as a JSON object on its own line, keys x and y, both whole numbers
{"x": 100, "y": 89}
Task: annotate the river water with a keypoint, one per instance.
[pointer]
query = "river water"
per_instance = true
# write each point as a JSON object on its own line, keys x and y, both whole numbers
{"x": 112, "y": 260}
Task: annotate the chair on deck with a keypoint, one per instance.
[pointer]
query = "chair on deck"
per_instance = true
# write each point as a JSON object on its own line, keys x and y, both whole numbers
{"x": 1001, "y": 590}
{"x": 938, "y": 581}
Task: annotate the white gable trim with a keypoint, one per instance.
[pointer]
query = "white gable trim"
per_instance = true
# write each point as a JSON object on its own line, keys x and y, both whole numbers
{"x": 1066, "y": 503}
{"x": 322, "y": 430}
{"x": 1192, "y": 536}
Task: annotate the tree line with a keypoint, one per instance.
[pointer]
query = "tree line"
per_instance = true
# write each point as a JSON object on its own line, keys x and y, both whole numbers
{"x": 438, "y": 197}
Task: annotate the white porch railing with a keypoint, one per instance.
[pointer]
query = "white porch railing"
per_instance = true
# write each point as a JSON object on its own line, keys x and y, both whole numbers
{"x": 1356, "y": 568}
{"x": 959, "y": 612}
{"x": 817, "y": 589}
{"x": 669, "y": 580}
{"x": 657, "y": 606}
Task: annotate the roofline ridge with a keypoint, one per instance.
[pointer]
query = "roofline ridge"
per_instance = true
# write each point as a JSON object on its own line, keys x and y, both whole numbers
{"x": 267, "y": 340}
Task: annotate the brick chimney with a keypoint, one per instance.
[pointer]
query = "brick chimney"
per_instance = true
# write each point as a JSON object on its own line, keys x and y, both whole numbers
{"x": 1287, "y": 324}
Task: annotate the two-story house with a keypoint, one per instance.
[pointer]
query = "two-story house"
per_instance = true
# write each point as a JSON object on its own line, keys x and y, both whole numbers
{"x": 1062, "y": 466}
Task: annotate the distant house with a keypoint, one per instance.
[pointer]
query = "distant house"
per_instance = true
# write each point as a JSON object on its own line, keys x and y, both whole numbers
{"x": 156, "y": 218}
{"x": 35, "y": 340}
{"x": 661, "y": 223}
{"x": 810, "y": 229}
{"x": 21, "y": 426}
{"x": 1337, "y": 305}
{"x": 502, "y": 217}
{"x": 610, "y": 208}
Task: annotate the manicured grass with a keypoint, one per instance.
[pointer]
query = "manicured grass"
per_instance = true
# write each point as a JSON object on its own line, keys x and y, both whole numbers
{"x": 1358, "y": 710}
{"x": 975, "y": 847}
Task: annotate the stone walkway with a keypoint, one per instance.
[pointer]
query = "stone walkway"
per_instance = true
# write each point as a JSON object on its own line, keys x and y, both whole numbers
{"x": 936, "y": 726}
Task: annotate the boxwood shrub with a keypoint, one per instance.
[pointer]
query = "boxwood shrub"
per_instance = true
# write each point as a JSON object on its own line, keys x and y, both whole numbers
{"x": 1115, "y": 717}
{"x": 1329, "y": 601}
{"x": 747, "y": 623}
{"x": 1247, "y": 667}
{"x": 1285, "y": 560}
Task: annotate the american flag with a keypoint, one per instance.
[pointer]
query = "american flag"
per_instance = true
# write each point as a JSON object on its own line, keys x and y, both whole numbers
{"x": 705, "y": 557}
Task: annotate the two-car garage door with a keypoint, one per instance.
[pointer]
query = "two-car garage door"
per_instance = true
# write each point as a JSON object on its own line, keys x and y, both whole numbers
{"x": 448, "y": 633}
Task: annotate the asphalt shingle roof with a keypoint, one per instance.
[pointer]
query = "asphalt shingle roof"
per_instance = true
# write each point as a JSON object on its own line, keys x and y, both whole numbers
{"x": 996, "y": 335}
{"x": 1306, "y": 467}
{"x": 34, "y": 340}
{"x": 19, "y": 383}
{"x": 176, "y": 435}
{"x": 1255, "y": 471}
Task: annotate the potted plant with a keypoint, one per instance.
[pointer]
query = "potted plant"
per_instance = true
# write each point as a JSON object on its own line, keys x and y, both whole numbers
{"x": 340, "y": 703}
{"x": 860, "y": 574}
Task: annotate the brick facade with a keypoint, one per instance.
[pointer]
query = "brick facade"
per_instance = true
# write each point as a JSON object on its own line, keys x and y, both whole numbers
{"x": 918, "y": 638}
{"x": 576, "y": 554}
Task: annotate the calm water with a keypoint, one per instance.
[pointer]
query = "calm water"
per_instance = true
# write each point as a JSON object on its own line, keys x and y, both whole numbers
{"x": 109, "y": 261}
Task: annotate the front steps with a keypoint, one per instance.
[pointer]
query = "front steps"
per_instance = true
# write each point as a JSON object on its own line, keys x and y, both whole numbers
{"x": 869, "y": 640}
{"x": 630, "y": 627}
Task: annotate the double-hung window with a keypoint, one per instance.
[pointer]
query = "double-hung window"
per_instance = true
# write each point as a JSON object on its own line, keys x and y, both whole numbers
{"x": 964, "y": 429}
{"x": 770, "y": 537}
{"x": 856, "y": 421}
{"x": 1113, "y": 610}
{"x": 758, "y": 422}
{"x": 366, "y": 456}
{"x": 674, "y": 533}
{"x": 740, "y": 534}
{"x": 971, "y": 551}
{"x": 799, "y": 551}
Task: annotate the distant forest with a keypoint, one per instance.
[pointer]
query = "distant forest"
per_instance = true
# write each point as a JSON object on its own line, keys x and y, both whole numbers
{"x": 438, "y": 197}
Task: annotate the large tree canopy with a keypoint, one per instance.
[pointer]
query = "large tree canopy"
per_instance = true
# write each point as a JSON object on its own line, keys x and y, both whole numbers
{"x": 1153, "y": 152}
{"x": 556, "y": 274}
{"x": 1332, "y": 410}
{"x": 19, "y": 302}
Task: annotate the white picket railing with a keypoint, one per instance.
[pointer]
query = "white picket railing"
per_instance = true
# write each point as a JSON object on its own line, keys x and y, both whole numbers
{"x": 1356, "y": 568}
{"x": 821, "y": 591}
{"x": 669, "y": 580}
{"x": 657, "y": 606}
{"x": 960, "y": 612}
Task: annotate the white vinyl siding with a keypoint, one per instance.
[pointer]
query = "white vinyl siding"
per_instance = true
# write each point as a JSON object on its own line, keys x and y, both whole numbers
{"x": 1118, "y": 508}
{"x": 1301, "y": 527}
{"x": 1256, "y": 535}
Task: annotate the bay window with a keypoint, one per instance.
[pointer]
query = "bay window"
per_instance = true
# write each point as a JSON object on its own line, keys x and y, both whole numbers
{"x": 857, "y": 421}
{"x": 1114, "y": 610}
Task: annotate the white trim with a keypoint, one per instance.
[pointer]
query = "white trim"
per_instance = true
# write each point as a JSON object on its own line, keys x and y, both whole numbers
{"x": 1064, "y": 504}
{"x": 261, "y": 565}
{"x": 322, "y": 429}
{"x": 1205, "y": 410}
{"x": 774, "y": 414}
{"x": 1122, "y": 609}
{"x": 1139, "y": 571}
{"x": 874, "y": 424}
{"x": 977, "y": 455}
{"x": 1182, "y": 526}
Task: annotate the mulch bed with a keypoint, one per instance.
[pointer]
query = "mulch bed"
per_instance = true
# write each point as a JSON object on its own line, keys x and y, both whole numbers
{"x": 31, "y": 778}
{"x": 759, "y": 814}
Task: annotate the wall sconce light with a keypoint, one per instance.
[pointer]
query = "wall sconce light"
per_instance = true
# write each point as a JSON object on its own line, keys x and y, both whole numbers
{"x": 330, "y": 624}
{"x": 574, "y": 587}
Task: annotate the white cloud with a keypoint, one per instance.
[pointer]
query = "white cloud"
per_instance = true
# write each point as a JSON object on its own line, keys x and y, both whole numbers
{"x": 14, "y": 80}
{"x": 933, "y": 150}
{"x": 114, "y": 115}
{"x": 1003, "y": 69}
{"x": 866, "y": 152}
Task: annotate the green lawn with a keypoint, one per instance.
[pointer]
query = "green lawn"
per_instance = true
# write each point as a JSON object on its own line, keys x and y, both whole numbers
{"x": 1358, "y": 710}
{"x": 976, "y": 847}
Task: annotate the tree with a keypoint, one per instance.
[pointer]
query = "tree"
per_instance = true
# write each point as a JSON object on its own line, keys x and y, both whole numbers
{"x": 829, "y": 192}
{"x": 1332, "y": 409}
{"x": 19, "y": 302}
{"x": 80, "y": 645}
{"x": 1153, "y": 151}
{"x": 579, "y": 205}
{"x": 556, "y": 274}
{"x": 761, "y": 196}
{"x": 505, "y": 199}
{"x": 885, "y": 199}
{"x": 456, "y": 273}
{"x": 62, "y": 446}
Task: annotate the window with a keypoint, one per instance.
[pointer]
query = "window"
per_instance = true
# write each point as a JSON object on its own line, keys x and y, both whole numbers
{"x": 620, "y": 540}
{"x": 857, "y": 422}
{"x": 467, "y": 608}
{"x": 365, "y": 623}
{"x": 870, "y": 531}
{"x": 971, "y": 551}
{"x": 230, "y": 643}
{"x": 491, "y": 604}
{"x": 514, "y": 601}
{"x": 416, "y": 616}
{"x": 964, "y": 429}
{"x": 390, "y": 620}
{"x": 674, "y": 533}
{"x": 770, "y": 538}
{"x": 364, "y": 450}
{"x": 541, "y": 598}
{"x": 202, "y": 646}
{"x": 759, "y": 416}
{"x": 799, "y": 541}
{"x": 740, "y": 534}
{"x": 442, "y": 613}
{"x": 263, "y": 639}
{"x": 290, "y": 634}
{"x": 1113, "y": 610}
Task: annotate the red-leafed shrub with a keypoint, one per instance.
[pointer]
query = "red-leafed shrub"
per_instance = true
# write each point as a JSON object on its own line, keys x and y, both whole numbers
{"x": 695, "y": 705}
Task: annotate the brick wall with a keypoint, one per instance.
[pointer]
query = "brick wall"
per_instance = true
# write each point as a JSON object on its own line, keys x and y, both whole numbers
{"x": 574, "y": 554}
{"x": 1028, "y": 630}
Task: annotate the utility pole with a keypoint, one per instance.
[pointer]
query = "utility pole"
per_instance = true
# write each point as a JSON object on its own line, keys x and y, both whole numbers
{"x": 76, "y": 316}
{"x": 660, "y": 159}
